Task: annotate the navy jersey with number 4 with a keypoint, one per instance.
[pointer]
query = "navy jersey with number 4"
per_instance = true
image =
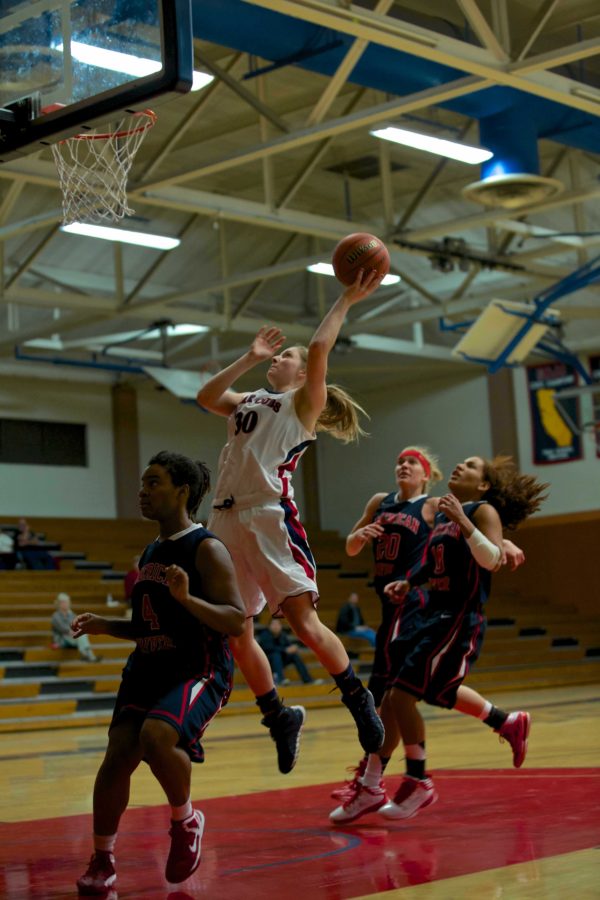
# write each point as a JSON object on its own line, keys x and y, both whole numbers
{"x": 171, "y": 642}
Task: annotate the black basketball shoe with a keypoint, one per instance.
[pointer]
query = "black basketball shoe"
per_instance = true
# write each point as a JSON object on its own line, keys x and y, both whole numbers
{"x": 370, "y": 727}
{"x": 286, "y": 729}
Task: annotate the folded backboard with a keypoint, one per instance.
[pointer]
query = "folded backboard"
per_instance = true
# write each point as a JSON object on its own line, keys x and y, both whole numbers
{"x": 497, "y": 328}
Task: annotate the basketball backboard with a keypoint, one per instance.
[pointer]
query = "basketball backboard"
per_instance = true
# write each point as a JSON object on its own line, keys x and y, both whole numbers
{"x": 498, "y": 335}
{"x": 85, "y": 62}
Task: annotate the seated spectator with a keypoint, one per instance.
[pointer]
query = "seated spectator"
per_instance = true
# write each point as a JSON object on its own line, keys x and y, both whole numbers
{"x": 282, "y": 652}
{"x": 62, "y": 635}
{"x": 8, "y": 557}
{"x": 350, "y": 621}
{"x": 30, "y": 548}
{"x": 130, "y": 578}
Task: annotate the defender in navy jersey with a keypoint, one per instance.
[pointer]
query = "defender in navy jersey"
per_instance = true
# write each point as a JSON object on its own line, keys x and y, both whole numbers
{"x": 398, "y": 525}
{"x": 184, "y": 604}
{"x": 465, "y": 546}
{"x": 255, "y": 515}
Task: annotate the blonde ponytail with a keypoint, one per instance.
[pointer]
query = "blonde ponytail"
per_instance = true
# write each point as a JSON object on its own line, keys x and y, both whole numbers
{"x": 340, "y": 415}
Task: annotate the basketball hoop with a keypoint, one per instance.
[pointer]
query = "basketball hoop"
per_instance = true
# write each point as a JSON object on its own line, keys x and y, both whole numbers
{"x": 93, "y": 169}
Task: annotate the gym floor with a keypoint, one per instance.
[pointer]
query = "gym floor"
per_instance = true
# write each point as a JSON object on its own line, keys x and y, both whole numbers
{"x": 495, "y": 831}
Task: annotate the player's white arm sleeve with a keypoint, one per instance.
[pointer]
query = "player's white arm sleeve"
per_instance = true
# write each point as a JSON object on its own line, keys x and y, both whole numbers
{"x": 484, "y": 551}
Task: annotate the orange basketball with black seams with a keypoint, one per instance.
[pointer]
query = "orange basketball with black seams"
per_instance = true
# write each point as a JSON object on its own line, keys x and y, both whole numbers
{"x": 359, "y": 251}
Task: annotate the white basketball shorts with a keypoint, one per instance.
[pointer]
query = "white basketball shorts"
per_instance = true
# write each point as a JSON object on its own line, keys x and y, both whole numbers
{"x": 270, "y": 553}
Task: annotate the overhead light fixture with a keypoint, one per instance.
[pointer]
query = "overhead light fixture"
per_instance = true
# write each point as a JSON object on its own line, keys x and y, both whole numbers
{"x": 169, "y": 329}
{"x": 140, "y": 238}
{"x": 322, "y": 268}
{"x": 116, "y": 61}
{"x": 440, "y": 146}
{"x": 175, "y": 330}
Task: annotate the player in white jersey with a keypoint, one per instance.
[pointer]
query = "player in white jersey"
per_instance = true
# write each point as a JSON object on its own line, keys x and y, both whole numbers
{"x": 255, "y": 516}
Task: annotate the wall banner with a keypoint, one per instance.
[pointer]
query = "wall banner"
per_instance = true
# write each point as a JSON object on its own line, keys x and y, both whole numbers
{"x": 595, "y": 373}
{"x": 553, "y": 439}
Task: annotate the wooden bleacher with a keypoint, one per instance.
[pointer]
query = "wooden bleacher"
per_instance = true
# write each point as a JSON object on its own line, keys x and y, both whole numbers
{"x": 535, "y": 638}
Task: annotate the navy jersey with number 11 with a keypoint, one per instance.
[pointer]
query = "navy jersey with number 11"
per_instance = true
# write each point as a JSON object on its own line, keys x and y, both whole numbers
{"x": 456, "y": 581}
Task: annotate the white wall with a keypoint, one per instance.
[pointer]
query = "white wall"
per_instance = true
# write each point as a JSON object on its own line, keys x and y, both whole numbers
{"x": 449, "y": 416}
{"x": 166, "y": 423}
{"x": 574, "y": 486}
{"x": 71, "y": 491}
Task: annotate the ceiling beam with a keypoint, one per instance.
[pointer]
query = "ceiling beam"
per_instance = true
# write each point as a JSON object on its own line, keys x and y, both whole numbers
{"x": 33, "y": 223}
{"x": 537, "y": 26}
{"x": 343, "y": 72}
{"x": 332, "y": 128}
{"x": 275, "y": 260}
{"x": 187, "y": 121}
{"x": 242, "y": 92}
{"x": 482, "y": 29}
{"x": 488, "y": 217}
{"x": 315, "y": 158}
{"x": 562, "y": 56}
{"x": 156, "y": 265}
{"x": 11, "y": 197}
{"x": 389, "y": 32}
{"x": 252, "y": 213}
{"x": 400, "y": 347}
{"x": 31, "y": 257}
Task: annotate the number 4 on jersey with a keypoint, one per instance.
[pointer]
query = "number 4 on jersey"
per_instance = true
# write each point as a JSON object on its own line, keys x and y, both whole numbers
{"x": 148, "y": 613}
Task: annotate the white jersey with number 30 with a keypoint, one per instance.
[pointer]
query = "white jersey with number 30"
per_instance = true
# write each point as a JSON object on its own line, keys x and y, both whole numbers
{"x": 265, "y": 440}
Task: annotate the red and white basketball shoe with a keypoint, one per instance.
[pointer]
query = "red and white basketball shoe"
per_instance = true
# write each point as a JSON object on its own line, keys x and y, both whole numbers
{"x": 516, "y": 731}
{"x": 413, "y": 795}
{"x": 186, "y": 847}
{"x": 362, "y": 801}
{"x": 348, "y": 788}
{"x": 100, "y": 874}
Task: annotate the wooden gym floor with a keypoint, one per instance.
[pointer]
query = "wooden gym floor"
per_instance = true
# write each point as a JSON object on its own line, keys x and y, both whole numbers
{"x": 494, "y": 833}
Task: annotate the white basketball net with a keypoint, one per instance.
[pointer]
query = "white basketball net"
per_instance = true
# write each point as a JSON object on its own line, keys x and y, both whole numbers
{"x": 93, "y": 169}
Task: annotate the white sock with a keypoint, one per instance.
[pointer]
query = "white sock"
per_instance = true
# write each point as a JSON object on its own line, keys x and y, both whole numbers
{"x": 487, "y": 708}
{"x": 105, "y": 842}
{"x": 179, "y": 813}
{"x": 373, "y": 772}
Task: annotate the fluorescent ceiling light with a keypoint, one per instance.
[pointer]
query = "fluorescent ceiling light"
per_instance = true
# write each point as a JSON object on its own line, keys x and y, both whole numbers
{"x": 99, "y": 342}
{"x": 125, "y": 62}
{"x": 123, "y": 337}
{"x": 154, "y": 241}
{"x": 327, "y": 269}
{"x": 451, "y": 149}
{"x": 176, "y": 330}
{"x": 201, "y": 79}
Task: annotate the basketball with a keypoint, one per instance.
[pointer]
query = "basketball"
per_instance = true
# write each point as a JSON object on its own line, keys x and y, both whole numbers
{"x": 359, "y": 251}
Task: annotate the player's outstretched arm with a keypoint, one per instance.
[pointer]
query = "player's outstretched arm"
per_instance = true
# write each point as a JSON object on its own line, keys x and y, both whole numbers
{"x": 365, "y": 530}
{"x": 310, "y": 399}
{"x": 216, "y": 395}
{"x": 88, "y": 623}
{"x": 221, "y": 606}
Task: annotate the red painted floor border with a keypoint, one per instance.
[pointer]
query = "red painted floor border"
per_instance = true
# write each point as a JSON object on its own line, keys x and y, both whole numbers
{"x": 281, "y": 841}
